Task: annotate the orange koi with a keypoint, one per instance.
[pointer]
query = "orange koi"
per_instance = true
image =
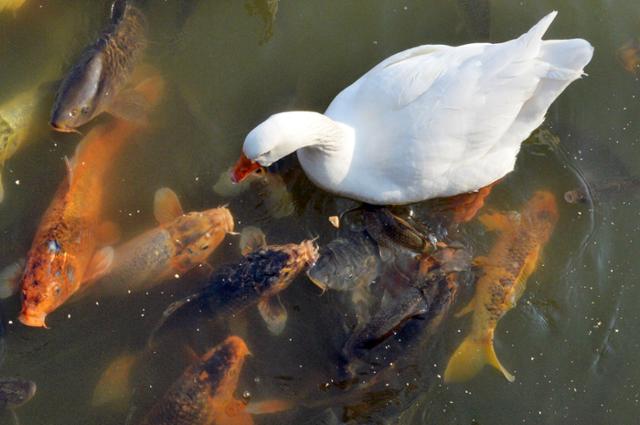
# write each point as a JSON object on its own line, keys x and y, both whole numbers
{"x": 204, "y": 394}
{"x": 509, "y": 264}
{"x": 180, "y": 243}
{"x": 64, "y": 254}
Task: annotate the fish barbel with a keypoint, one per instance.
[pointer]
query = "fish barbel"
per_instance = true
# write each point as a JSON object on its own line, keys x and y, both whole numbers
{"x": 511, "y": 261}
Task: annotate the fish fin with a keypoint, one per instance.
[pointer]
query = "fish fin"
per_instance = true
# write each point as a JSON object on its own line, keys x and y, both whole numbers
{"x": 251, "y": 239}
{"x": 10, "y": 278}
{"x": 230, "y": 411}
{"x": 131, "y": 106}
{"x": 114, "y": 384}
{"x": 466, "y": 309}
{"x": 69, "y": 163}
{"x": 191, "y": 354}
{"x": 151, "y": 88}
{"x": 470, "y": 357}
{"x": 496, "y": 221}
{"x": 268, "y": 406}
{"x": 166, "y": 205}
{"x": 273, "y": 313}
{"x": 100, "y": 264}
{"x": 108, "y": 233}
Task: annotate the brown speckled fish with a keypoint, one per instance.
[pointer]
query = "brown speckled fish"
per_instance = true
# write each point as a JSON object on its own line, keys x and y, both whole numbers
{"x": 204, "y": 394}
{"x": 506, "y": 269}
{"x": 179, "y": 244}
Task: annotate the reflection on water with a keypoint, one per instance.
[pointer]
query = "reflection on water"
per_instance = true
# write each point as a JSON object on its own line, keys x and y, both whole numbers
{"x": 570, "y": 342}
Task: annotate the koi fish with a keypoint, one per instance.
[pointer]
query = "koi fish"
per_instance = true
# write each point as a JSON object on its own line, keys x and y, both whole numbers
{"x": 180, "y": 243}
{"x": 96, "y": 82}
{"x": 204, "y": 393}
{"x": 257, "y": 279}
{"x": 629, "y": 56}
{"x": 11, "y": 4}
{"x": 608, "y": 190}
{"x": 14, "y": 392}
{"x": 506, "y": 269}
{"x": 113, "y": 385}
{"x": 64, "y": 255}
{"x": 17, "y": 117}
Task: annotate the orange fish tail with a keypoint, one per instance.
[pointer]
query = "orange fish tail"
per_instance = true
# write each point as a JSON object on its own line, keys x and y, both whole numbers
{"x": 469, "y": 359}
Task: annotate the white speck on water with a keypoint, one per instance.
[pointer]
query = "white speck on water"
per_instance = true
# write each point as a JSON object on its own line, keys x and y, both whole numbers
{"x": 17, "y": 182}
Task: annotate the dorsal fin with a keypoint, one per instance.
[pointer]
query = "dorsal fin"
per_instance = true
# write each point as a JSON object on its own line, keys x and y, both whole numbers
{"x": 166, "y": 205}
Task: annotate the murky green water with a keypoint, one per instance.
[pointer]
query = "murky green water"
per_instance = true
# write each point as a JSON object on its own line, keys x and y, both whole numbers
{"x": 571, "y": 341}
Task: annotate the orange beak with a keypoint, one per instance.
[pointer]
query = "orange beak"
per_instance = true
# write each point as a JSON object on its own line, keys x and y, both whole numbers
{"x": 243, "y": 168}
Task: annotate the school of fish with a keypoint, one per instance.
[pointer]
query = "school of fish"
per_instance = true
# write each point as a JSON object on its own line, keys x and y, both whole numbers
{"x": 395, "y": 278}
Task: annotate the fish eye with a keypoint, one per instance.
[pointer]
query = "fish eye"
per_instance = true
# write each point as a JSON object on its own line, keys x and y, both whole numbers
{"x": 84, "y": 110}
{"x": 57, "y": 290}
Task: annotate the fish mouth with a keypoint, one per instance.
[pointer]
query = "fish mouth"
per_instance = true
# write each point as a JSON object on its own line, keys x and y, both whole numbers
{"x": 62, "y": 129}
{"x": 36, "y": 320}
{"x": 323, "y": 286}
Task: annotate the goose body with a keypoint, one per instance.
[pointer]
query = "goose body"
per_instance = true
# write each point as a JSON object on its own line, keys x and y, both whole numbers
{"x": 427, "y": 122}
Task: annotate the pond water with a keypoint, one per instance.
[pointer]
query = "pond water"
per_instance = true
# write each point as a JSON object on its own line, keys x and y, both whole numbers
{"x": 228, "y": 65}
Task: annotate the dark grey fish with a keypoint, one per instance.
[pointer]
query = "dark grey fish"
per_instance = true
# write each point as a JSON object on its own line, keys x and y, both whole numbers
{"x": 346, "y": 263}
{"x": 606, "y": 191}
{"x": 14, "y": 392}
{"x": 95, "y": 84}
{"x": 256, "y": 280}
{"x": 415, "y": 312}
{"x": 388, "y": 229}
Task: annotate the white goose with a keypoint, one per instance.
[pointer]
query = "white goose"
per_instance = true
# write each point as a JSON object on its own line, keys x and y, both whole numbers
{"x": 429, "y": 122}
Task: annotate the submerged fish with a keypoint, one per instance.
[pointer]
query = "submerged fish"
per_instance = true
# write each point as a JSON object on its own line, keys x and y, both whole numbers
{"x": 64, "y": 252}
{"x": 346, "y": 263}
{"x": 629, "y": 56}
{"x": 204, "y": 393}
{"x": 387, "y": 228}
{"x": 180, "y": 243}
{"x": 96, "y": 82}
{"x": 11, "y": 4}
{"x": 417, "y": 310}
{"x": 257, "y": 279}
{"x": 506, "y": 269}
{"x": 113, "y": 385}
{"x": 17, "y": 117}
{"x": 14, "y": 392}
{"x": 615, "y": 188}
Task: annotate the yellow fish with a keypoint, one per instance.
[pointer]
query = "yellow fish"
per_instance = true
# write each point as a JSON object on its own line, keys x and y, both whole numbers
{"x": 510, "y": 262}
{"x": 17, "y": 117}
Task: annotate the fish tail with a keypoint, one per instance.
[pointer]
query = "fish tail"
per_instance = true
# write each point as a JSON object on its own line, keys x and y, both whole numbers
{"x": 470, "y": 357}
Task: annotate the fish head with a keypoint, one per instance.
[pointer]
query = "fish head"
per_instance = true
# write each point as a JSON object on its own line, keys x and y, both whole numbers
{"x": 289, "y": 261}
{"x": 49, "y": 279}
{"x": 221, "y": 366}
{"x": 79, "y": 97}
{"x": 198, "y": 234}
{"x": 541, "y": 214}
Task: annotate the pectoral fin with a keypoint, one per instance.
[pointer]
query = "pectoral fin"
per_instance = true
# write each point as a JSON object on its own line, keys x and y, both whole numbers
{"x": 268, "y": 406}
{"x": 114, "y": 385}
{"x": 130, "y": 105}
{"x": 251, "y": 239}
{"x": 274, "y": 314}
{"x": 100, "y": 264}
{"x": 10, "y": 278}
{"x": 166, "y": 205}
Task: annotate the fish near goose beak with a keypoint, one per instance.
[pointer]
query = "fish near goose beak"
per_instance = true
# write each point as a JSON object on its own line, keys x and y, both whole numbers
{"x": 243, "y": 168}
